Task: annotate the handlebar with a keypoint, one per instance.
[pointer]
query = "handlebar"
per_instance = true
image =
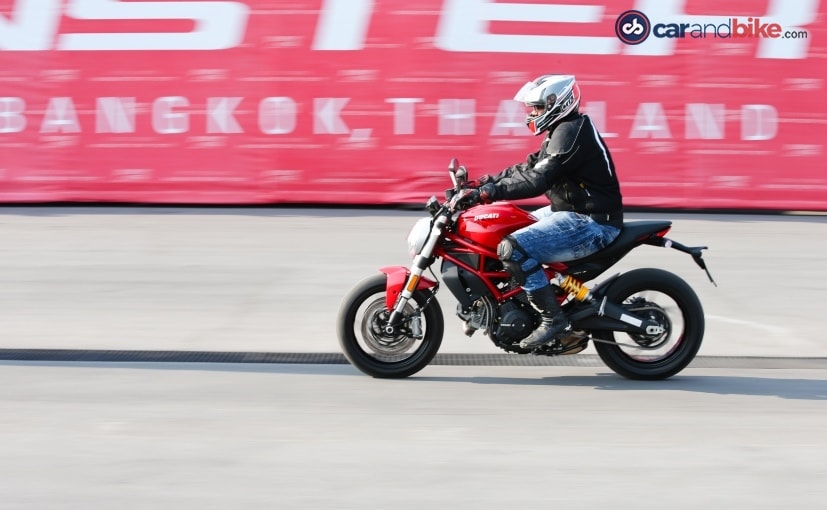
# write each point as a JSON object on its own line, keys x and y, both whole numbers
{"x": 453, "y": 196}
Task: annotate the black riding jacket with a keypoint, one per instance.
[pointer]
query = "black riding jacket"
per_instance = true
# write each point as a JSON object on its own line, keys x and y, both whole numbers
{"x": 573, "y": 168}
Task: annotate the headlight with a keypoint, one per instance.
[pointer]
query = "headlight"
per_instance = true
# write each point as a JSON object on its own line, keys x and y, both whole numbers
{"x": 418, "y": 236}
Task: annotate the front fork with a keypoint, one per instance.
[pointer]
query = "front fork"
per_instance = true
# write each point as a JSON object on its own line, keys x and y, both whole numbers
{"x": 402, "y": 282}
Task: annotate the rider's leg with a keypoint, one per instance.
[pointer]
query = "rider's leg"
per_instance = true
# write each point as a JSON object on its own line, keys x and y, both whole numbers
{"x": 530, "y": 275}
{"x": 559, "y": 236}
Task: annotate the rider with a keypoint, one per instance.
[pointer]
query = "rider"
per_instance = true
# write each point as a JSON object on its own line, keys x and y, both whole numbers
{"x": 574, "y": 169}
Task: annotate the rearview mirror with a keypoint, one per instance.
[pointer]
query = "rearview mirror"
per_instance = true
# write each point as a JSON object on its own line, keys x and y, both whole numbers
{"x": 452, "y": 171}
{"x": 462, "y": 175}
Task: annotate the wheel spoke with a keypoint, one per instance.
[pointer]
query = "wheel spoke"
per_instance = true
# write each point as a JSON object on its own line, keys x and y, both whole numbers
{"x": 362, "y": 328}
{"x": 662, "y": 309}
{"x": 661, "y": 298}
{"x": 370, "y": 322}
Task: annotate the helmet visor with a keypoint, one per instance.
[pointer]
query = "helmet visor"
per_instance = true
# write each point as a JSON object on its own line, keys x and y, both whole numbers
{"x": 524, "y": 95}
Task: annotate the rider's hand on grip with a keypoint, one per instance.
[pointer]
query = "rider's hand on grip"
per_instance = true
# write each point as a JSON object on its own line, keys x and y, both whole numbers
{"x": 487, "y": 192}
{"x": 465, "y": 198}
{"x": 472, "y": 196}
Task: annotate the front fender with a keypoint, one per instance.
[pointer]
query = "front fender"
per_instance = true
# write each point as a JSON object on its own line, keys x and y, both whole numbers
{"x": 397, "y": 276}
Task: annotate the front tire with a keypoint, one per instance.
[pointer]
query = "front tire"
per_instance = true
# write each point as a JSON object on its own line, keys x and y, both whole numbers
{"x": 662, "y": 296}
{"x": 367, "y": 348}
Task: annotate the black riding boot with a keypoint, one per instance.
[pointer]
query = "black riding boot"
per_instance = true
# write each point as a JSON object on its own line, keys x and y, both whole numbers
{"x": 554, "y": 321}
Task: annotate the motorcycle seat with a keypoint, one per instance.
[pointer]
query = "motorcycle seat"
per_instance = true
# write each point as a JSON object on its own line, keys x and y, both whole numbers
{"x": 629, "y": 237}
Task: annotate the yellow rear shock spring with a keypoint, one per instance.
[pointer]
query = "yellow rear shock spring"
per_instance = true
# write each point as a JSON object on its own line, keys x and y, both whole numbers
{"x": 573, "y": 286}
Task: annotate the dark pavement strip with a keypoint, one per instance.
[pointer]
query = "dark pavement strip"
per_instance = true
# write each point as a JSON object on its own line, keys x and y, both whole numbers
{"x": 332, "y": 358}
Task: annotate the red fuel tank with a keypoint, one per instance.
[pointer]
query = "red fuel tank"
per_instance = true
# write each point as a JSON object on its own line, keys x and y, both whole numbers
{"x": 488, "y": 224}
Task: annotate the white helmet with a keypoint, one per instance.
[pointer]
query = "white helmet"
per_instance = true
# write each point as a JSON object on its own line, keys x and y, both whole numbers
{"x": 556, "y": 94}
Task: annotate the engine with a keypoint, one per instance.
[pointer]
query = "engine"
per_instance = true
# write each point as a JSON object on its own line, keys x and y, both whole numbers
{"x": 514, "y": 323}
{"x": 506, "y": 325}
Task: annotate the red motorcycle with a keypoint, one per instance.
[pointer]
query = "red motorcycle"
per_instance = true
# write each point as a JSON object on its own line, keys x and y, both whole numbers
{"x": 645, "y": 323}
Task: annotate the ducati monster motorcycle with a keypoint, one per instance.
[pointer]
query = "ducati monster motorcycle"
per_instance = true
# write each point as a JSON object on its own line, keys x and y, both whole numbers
{"x": 645, "y": 323}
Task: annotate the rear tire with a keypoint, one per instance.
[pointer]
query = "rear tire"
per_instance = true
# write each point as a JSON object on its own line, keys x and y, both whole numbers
{"x": 665, "y": 296}
{"x": 376, "y": 354}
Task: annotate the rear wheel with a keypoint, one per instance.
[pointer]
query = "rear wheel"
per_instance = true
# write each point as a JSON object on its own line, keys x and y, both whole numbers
{"x": 361, "y": 322}
{"x": 666, "y": 299}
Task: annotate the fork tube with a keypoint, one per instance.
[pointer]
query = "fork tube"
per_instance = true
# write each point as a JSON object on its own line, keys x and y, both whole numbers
{"x": 420, "y": 264}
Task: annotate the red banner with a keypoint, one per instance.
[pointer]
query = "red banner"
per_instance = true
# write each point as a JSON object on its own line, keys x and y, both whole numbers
{"x": 704, "y": 104}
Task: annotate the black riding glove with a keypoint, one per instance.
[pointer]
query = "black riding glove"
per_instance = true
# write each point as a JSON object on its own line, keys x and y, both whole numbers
{"x": 484, "y": 194}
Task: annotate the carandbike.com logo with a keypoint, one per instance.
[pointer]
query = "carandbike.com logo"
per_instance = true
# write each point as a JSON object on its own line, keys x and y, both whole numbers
{"x": 634, "y": 27}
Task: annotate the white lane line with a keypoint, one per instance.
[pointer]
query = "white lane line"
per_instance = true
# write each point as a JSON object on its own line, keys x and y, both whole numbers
{"x": 751, "y": 324}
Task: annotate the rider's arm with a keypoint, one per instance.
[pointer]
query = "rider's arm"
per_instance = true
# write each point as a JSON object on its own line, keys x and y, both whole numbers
{"x": 530, "y": 161}
{"x": 530, "y": 182}
{"x": 560, "y": 155}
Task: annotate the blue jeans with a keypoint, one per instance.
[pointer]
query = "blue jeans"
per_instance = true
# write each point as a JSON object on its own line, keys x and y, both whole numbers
{"x": 558, "y": 237}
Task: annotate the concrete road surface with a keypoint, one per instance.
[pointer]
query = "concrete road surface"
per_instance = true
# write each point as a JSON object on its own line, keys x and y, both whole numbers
{"x": 224, "y": 436}
{"x": 730, "y": 432}
{"x": 272, "y": 279}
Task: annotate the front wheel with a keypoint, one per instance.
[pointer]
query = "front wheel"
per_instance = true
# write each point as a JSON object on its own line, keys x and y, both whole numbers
{"x": 662, "y": 297}
{"x": 360, "y": 326}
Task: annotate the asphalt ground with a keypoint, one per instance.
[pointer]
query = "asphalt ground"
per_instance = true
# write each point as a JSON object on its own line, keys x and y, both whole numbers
{"x": 91, "y": 435}
{"x": 272, "y": 279}
{"x": 186, "y": 358}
